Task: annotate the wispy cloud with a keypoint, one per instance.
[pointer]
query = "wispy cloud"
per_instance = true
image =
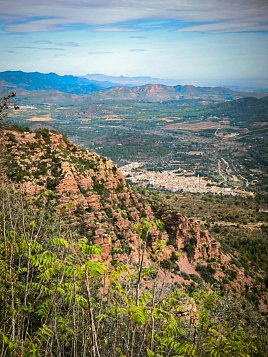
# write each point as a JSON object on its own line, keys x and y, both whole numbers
{"x": 63, "y": 44}
{"x": 41, "y": 48}
{"x": 92, "y": 53}
{"x": 120, "y": 15}
{"x": 46, "y": 25}
{"x": 68, "y": 44}
{"x": 137, "y": 37}
{"x": 226, "y": 27}
{"x": 116, "y": 29}
{"x": 43, "y": 42}
{"x": 137, "y": 50}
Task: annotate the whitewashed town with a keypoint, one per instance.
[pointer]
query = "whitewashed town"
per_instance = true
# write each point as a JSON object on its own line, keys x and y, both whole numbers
{"x": 172, "y": 180}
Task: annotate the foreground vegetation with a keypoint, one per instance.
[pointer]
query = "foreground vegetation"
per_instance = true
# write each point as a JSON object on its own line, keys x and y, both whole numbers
{"x": 57, "y": 298}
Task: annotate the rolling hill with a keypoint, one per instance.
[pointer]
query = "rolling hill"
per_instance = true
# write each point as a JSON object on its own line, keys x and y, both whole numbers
{"x": 160, "y": 92}
{"x": 245, "y": 111}
{"x": 105, "y": 90}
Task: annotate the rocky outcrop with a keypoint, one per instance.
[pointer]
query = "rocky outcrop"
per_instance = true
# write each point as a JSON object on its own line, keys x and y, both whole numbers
{"x": 188, "y": 236}
{"x": 93, "y": 195}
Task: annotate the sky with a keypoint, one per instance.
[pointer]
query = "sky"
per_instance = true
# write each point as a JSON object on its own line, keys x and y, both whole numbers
{"x": 191, "y": 41}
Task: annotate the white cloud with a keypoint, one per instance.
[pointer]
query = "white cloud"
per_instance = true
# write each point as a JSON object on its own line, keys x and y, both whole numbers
{"x": 33, "y": 16}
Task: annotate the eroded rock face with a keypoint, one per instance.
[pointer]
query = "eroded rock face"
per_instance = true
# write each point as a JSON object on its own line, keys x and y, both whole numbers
{"x": 94, "y": 196}
{"x": 199, "y": 248}
{"x": 188, "y": 237}
{"x": 68, "y": 184}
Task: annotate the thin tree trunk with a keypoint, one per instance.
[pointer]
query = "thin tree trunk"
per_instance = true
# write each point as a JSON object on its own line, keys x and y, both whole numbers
{"x": 95, "y": 347}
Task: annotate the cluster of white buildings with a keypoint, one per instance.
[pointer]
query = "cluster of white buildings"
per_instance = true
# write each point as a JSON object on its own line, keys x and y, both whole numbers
{"x": 171, "y": 180}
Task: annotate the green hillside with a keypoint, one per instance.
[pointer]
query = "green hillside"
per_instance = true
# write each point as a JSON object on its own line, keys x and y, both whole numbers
{"x": 243, "y": 111}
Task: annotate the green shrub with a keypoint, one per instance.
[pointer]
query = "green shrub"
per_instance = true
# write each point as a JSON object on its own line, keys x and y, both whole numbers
{"x": 206, "y": 272}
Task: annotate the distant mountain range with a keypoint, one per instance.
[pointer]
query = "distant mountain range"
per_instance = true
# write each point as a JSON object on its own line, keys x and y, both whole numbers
{"x": 128, "y": 81}
{"x": 51, "y": 81}
{"x": 102, "y": 89}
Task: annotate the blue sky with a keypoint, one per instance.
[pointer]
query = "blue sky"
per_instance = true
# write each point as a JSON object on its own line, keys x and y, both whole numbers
{"x": 192, "y": 41}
